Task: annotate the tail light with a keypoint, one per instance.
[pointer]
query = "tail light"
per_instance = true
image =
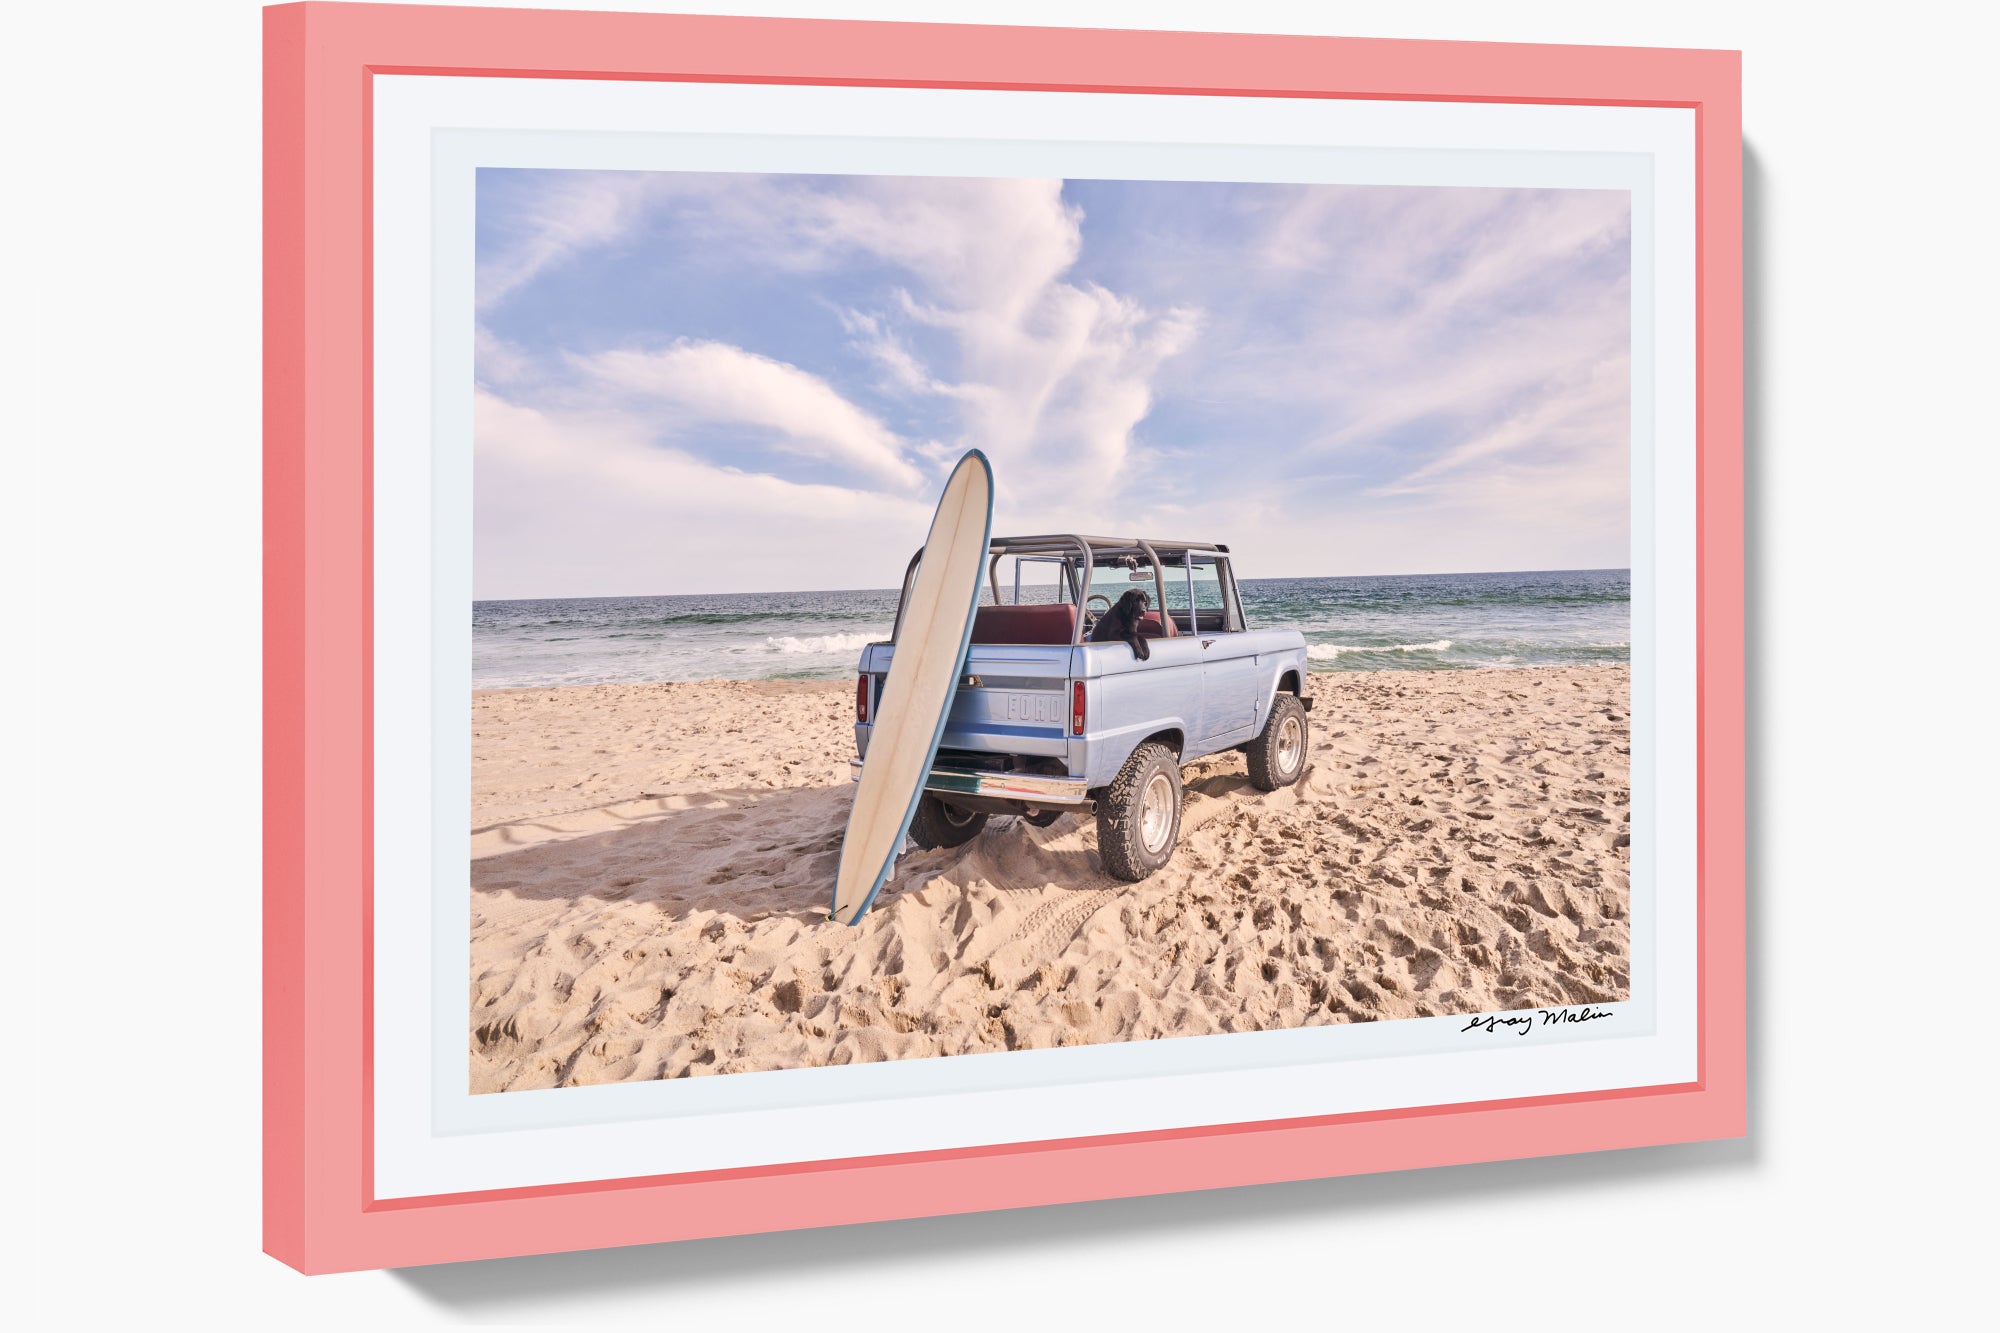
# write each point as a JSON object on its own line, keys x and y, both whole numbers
{"x": 1076, "y": 708}
{"x": 861, "y": 698}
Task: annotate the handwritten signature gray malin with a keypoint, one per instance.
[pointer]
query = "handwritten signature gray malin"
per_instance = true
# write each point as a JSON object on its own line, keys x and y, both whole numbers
{"x": 1522, "y": 1023}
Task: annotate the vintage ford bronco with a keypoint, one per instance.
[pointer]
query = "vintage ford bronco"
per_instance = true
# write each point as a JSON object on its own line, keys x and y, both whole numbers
{"x": 1046, "y": 723}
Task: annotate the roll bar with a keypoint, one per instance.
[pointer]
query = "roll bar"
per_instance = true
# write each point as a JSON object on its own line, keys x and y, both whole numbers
{"x": 1068, "y": 544}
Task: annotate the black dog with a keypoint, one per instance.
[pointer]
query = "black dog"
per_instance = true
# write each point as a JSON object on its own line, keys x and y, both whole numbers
{"x": 1121, "y": 622}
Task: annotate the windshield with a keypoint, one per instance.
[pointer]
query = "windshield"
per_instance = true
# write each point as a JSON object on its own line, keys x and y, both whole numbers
{"x": 1113, "y": 579}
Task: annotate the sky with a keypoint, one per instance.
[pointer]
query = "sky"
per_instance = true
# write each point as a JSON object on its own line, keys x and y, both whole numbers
{"x": 702, "y": 383}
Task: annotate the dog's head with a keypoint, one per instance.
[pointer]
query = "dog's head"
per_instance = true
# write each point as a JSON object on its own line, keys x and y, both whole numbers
{"x": 1132, "y": 606}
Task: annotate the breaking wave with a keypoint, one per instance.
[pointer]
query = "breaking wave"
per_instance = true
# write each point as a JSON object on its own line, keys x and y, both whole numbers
{"x": 822, "y": 643}
{"x": 1324, "y": 652}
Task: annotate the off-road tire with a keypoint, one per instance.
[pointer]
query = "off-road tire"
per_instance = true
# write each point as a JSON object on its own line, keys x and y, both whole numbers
{"x": 939, "y": 825}
{"x": 1276, "y": 757}
{"x": 1122, "y": 844}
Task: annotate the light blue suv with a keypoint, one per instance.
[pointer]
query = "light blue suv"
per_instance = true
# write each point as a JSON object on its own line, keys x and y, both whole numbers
{"x": 1047, "y": 723}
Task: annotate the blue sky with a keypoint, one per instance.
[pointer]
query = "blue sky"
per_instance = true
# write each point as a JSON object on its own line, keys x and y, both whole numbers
{"x": 729, "y": 383}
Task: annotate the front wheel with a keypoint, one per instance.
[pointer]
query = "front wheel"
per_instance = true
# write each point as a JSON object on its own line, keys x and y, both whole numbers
{"x": 939, "y": 825}
{"x": 1278, "y": 756}
{"x": 1140, "y": 815}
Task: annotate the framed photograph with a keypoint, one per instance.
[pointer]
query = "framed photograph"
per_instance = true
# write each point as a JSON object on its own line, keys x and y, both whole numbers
{"x": 873, "y": 620}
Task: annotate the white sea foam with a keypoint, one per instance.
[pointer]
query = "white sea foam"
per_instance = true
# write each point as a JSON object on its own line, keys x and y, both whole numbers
{"x": 1324, "y": 652}
{"x": 824, "y": 643}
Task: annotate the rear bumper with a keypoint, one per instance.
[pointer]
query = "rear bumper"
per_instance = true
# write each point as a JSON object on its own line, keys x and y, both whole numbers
{"x": 1027, "y": 788}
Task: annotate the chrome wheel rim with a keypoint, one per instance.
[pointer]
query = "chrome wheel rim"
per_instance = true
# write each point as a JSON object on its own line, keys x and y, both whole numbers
{"x": 1291, "y": 744}
{"x": 1156, "y": 812}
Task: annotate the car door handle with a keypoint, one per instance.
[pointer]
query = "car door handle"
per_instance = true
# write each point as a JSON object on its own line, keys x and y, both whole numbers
{"x": 1208, "y": 643}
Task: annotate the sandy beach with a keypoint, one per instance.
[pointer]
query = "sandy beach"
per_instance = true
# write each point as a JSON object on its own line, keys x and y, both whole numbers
{"x": 651, "y": 866}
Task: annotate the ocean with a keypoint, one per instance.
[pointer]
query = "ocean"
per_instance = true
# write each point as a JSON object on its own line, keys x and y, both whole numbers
{"x": 1413, "y": 622}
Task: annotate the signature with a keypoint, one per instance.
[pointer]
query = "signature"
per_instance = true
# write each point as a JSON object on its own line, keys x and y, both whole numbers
{"x": 1520, "y": 1024}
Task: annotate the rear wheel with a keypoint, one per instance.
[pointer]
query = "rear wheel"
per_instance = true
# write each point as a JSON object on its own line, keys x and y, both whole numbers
{"x": 1278, "y": 756}
{"x": 1140, "y": 816}
{"x": 939, "y": 825}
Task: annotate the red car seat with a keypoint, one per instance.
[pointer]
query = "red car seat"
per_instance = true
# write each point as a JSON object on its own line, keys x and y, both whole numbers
{"x": 1047, "y": 622}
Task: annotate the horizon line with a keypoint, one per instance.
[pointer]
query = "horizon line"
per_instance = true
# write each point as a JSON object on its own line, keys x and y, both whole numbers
{"x": 1266, "y": 578}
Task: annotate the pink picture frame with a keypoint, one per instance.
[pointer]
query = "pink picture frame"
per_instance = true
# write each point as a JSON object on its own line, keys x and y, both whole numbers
{"x": 321, "y": 63}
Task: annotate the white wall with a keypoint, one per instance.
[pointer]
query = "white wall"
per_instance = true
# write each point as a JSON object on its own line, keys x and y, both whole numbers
{"x": 1872, "y": 870}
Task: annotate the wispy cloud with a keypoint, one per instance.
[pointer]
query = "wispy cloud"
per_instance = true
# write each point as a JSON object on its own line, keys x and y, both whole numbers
{"x": 698, "y": 383}
{"x": 903, "y": 373}
{"x": 587, "y": 503}
{"x": 573, "y": 211}
{"x": 1049, "y": 375}
{"x": 1574, "y": 424}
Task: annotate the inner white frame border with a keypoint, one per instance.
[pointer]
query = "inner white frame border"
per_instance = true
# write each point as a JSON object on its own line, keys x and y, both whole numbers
{"x": 434, "y": 1137}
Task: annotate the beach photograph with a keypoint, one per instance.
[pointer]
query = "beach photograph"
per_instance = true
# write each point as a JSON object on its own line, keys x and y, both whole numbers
{"x": 1304, "y": 698}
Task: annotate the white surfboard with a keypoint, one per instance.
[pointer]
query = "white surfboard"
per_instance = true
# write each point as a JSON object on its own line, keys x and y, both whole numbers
{"x": 923, "y": 676}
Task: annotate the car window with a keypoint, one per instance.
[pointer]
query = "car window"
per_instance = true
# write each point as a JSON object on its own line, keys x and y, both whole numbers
{"x": 1033, "y": 580}
{"x": 1211, "y": 602}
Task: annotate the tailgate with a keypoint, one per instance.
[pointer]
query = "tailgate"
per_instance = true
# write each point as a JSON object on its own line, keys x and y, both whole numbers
{"x": 1011, "y": 699}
